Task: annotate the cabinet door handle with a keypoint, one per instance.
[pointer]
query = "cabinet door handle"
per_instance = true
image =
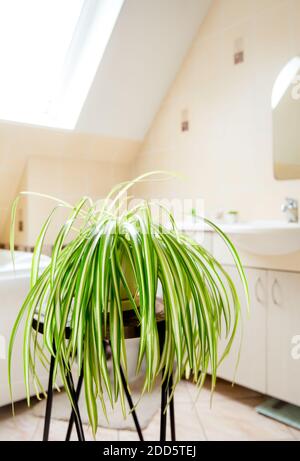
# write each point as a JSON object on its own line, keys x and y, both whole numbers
{"x": 276, "y": 301}
{"x": 258, "y": 284}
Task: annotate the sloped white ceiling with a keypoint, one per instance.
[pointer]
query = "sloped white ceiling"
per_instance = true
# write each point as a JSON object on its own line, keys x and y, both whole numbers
{"x": 145, "y": 51}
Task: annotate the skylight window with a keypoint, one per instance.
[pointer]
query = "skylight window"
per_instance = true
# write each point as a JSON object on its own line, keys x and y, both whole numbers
{"x": 49, "y": 54}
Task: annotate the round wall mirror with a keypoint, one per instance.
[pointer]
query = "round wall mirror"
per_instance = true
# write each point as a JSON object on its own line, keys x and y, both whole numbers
{"x": 286, "y": 121}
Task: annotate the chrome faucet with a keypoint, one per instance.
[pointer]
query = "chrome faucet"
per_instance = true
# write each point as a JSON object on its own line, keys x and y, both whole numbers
{"x": 290, "y": 207}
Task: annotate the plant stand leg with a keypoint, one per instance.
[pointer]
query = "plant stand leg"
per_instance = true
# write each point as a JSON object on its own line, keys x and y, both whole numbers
{"x": 72, "y": 417}
{"x": 163, "y": 412}
{"x": 164, "y": 392}
{"x": 131, "y": 406}
{"x": 172, "y": 411}
{"x": 49, "y": 402}
{"x": 75, "y": 415}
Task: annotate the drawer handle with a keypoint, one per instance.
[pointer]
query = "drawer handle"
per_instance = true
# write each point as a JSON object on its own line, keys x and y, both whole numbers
{"x": 276, "y": 301}
{"x": 258, "y": 284}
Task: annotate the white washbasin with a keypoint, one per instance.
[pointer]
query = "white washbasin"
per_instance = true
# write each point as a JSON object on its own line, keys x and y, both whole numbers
{"x": 265, "y": 237}
{"x": 257, "y": 237}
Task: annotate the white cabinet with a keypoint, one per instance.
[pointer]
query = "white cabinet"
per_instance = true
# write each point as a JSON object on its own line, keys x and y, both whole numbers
{"x": 283, "y": 377}
{"x": 266, "y": 361}
{"x": 251, "y": 371}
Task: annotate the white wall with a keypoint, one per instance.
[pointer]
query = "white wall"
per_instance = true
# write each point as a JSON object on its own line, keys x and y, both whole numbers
{"x": 227, "y": 155}
{"x": 66, "y": 179}
{"x": 57, "y": 162}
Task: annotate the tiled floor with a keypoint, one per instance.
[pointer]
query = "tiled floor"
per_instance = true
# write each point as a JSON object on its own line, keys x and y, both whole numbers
{"x": 232, "y": 417}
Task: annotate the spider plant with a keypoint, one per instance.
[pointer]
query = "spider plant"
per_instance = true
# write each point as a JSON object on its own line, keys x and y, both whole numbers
{"x": 104, "y": 261}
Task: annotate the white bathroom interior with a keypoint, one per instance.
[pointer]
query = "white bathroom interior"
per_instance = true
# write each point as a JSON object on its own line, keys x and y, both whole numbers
{"x": 209, "y": 89}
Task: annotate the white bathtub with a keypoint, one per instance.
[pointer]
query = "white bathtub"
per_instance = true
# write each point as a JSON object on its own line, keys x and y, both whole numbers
{"x": 22, "y": 263}
{"x": 14, "y": 285}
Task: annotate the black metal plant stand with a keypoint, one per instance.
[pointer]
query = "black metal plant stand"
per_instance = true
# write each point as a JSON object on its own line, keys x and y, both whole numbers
{"x": 131, "y": 330}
